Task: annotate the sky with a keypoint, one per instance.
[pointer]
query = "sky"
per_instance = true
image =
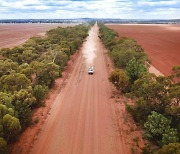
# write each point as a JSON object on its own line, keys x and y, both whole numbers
{"x": 68, "y": 9}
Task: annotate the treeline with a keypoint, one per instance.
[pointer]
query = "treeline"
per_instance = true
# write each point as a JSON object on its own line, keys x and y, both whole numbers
{"x": 26, "y": 74}
{"x": 157, "y": 99}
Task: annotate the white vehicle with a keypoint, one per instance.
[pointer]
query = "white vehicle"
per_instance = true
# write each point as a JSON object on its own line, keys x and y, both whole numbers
{"x": 91, "y": 70}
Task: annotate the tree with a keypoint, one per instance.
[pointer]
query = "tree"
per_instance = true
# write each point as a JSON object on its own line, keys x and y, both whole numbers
{"x": 11, "y": 126}
{"x": 23, "y": 100}
{"x": 154, "y": 90}
{"x": 61, "y": 59}
{"x": 24, "y": 68}
{"x": 170, "y": 136}
{"x": 159, "y": 128}
{"x": 6, "y": 99}
{"x": 120, "y": 80}
{"x": 15, "y": 54}
{"x": 174, "y": 94}
{"x": 134, "y": 70}
{"x": 157, "y": 124}
{"x": 4, "y": 110}
{"x": 40, "y": 92}
{"x": 171, "y": 148}
{"x": 46, "y": 73}
{"x": 23, "y": 113}
{"x": 7, "y": 66}
{"x": 121, "y": 57}
{"x": 14, "y": 82}
{"x": 28, "y": 56}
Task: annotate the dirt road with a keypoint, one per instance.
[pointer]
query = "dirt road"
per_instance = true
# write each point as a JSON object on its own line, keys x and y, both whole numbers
{"x": 81, "y": 120}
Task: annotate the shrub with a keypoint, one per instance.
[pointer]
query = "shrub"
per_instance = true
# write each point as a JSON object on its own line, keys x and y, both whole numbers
{"x": 172, "y": 148}
{"x": 135, "y": 70}
{"x": 40, "y": 92}
{"x": 120, "y": 80}
{"x": 159, "y": 127}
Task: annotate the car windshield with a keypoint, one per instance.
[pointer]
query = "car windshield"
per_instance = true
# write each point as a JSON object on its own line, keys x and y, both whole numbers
{"x": 90, "y": 68}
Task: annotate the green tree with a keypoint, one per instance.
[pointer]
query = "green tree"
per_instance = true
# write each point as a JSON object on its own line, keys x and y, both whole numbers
{"x": 170, "y": 136}
{"x": 23, "y": 100}
{"x": 121, "y": 57}
{"x": 135, "y": 70}
{"x": 15, "y": 54}
{"x": 157, "y": 124}
{"x": 174, "y": 94}
{"x": 28, "y": 56}
{"x": 154, "y": 90}
{"x": 46, "y": 73}
{"x": 61, "y": 59}
{"x": 14, "y": 82}
{"x": 6, "y": 99}
{"x": 3, "y": 110}
{"x": 159, "y": 128}
{"x": 11, "y": 127}
{"x": 25, "y": 69}
{"x": 40, "y": 92}
{"x": 7, "y": 66}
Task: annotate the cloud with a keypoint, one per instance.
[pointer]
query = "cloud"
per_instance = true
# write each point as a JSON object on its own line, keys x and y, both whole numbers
{"x": 89, "y": 9}
{"x": 159, "y": 3}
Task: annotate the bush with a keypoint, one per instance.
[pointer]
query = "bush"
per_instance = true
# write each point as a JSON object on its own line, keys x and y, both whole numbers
{"x": 172, "y": 148}
{"x": 159, "y": 127}
{"x": 40, "y": 92}
{"x": 140, "y": 111}
{"x": 170, "y": 136}
{"x": 120, "y": 80}
{"x": 135, "y": 70}
{"x": 14, "y": 82}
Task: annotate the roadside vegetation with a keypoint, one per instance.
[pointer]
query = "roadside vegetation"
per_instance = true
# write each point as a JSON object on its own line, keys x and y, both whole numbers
{"x": 26, "y": 74}
{"x": 156, "y": 99}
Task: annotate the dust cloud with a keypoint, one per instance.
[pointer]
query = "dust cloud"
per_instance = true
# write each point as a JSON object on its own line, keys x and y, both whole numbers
{"x": 89, "y": 47}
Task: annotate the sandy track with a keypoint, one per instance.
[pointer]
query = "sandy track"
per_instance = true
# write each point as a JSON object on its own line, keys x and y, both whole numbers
{"x": 82, "y": 118}
{"x": 15, "y": 34}
{"x": 161, "y": 43}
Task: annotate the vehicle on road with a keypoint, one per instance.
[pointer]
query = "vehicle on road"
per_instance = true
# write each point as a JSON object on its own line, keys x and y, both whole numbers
{"x": 91, "y": 70}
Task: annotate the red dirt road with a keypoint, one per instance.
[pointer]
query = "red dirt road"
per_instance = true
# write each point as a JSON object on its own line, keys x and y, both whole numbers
{"x": 160, "y": 42}
{"x": 83, "y": 118}
{"x": 15, "y": 34}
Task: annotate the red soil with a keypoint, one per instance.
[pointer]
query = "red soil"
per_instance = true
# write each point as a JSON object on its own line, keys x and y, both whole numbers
{"x": 160, "y": 42}
{"x": 15, "y": 34}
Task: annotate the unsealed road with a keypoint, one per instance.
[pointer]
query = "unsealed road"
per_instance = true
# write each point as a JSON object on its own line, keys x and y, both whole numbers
{"x": 81, "y": 120}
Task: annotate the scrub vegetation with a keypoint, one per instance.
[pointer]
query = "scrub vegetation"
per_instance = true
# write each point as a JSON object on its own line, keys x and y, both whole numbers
{"x": 156, "y": 98}
{"x": 26, "y": 74}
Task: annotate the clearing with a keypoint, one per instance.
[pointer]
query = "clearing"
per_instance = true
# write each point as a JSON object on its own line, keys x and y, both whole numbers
{"x": 15, "y": 34}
